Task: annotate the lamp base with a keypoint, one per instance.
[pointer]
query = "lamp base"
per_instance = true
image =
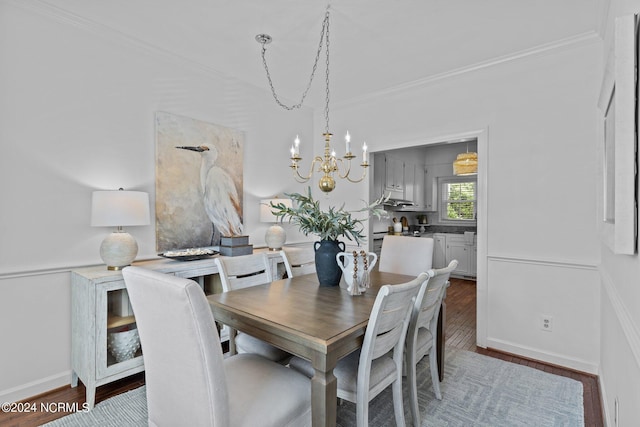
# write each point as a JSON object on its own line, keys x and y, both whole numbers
{"x": 118, "y": 250}
{"x": 275, "y": 237}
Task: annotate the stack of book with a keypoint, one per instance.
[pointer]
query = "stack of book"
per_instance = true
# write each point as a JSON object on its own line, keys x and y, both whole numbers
{"x": 235, "y": 245}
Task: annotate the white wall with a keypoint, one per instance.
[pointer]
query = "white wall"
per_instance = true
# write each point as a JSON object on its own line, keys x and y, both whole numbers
{"x": 77, "y": 114}
{"x": 541, "y": 249}
{"x": 620, "y": 296}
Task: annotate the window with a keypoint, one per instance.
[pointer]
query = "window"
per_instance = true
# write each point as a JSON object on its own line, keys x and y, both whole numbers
{"x": 457, "y": 199}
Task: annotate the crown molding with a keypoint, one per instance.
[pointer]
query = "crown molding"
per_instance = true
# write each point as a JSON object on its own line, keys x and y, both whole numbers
{"x": 540, "y": 50}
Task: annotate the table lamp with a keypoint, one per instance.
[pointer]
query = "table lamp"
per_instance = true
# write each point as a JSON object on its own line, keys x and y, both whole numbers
{"x": 275, "y": 237}
{"x": 119, "y": 208}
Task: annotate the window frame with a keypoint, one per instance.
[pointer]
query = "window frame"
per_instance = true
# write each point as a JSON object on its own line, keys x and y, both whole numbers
{"x": 443, "y": 203}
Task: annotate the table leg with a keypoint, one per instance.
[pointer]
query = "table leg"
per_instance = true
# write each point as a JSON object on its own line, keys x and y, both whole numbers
{"x": 440, "y": 338}
{"x": 324, "y": 394}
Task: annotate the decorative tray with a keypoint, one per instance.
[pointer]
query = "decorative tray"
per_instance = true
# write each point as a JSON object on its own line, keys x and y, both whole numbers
{"x": 189, "y": 254}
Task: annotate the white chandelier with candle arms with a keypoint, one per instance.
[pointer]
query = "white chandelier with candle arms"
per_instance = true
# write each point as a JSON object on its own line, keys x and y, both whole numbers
{"x": 328, "y": 164}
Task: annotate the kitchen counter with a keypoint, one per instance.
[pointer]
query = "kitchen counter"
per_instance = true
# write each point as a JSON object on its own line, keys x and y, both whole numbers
{"x": 430, "y": 231}
{"x": 449, "y": 229}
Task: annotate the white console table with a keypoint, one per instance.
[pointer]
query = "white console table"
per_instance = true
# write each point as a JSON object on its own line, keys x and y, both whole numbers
{"x": 99, "y": 303}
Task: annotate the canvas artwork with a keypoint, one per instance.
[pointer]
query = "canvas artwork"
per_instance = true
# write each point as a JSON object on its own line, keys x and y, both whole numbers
{"x": 618, "y": 103}
{"x": 198, "y": 182}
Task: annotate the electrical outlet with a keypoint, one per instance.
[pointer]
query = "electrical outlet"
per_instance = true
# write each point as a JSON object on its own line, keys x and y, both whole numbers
{"x": 546, "y": 322}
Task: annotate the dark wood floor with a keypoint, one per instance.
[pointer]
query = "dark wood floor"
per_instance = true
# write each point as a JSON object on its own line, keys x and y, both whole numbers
{"x": 460, "y": 333}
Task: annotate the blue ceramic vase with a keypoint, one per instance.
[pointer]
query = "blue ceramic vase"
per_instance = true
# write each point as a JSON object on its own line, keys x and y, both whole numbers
{"x": 327, "y": 268}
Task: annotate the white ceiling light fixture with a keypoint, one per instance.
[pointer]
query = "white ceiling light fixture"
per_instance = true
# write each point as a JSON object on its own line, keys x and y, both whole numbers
{"x": 328, "y": 163}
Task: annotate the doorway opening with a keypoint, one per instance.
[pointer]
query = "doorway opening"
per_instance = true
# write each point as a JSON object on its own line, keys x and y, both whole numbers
{"x": 437, "y": 156}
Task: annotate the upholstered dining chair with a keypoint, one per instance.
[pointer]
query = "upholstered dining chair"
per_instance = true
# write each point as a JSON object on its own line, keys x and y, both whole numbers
{"x": 242, "y": 272}
{"x": 188, "y": 381}
{"x": 421, "y": 336}
{"x": 299, "y": 260}
{"x": 406, "y": 255}
{"x": 365, "y": 373}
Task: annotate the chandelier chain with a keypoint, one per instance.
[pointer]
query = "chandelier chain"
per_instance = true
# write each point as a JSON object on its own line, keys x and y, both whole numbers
{"x": 324, "y": 33}
{"x": 326, "y": 106}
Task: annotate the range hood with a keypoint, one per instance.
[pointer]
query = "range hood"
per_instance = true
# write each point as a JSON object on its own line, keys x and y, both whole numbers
{"x": 399, "y": 203}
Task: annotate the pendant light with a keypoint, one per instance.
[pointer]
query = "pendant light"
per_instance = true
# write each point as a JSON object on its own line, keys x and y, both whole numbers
{"x": 466, "y": 164}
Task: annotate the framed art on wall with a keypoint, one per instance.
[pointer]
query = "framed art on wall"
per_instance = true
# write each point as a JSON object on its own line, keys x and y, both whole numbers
{"x": 619, "y": 106}
{"x": 199, "y": 185}
{"x": 609, "y": 175}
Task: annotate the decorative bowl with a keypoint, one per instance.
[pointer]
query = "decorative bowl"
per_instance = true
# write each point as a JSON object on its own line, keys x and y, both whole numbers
{"x": 123, "y": 345}
{"x": 191, "y": 254}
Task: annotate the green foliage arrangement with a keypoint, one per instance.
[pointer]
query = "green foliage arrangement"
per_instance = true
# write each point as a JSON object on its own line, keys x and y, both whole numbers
{"x": 330, "y": 224}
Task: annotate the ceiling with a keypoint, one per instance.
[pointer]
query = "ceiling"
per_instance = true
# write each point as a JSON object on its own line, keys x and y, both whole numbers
{"x": 375, "y": 44}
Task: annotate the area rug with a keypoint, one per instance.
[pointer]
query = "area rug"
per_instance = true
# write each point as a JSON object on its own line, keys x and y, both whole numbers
{"x": 477, "y": 391}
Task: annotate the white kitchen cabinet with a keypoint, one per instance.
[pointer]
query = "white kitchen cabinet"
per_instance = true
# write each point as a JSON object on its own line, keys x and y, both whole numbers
{"x": 378, "y": 175}
{"x": 460, "y": 251}
{"x": 430, "y": 196}
{"x": 439, "y": 250}
{"x": 458, "y": 248}
{"x": 432, "y": 172}
{"x": 394, "y": 177}
{"x": 414, "y": 185}
{"x": 409, "y": 182}
{"x": 474, "y": 261}
{"x": 399, "y": 179}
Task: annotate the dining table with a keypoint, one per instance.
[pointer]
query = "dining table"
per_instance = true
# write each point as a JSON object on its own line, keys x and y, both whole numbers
{"x": 319, "y": 323}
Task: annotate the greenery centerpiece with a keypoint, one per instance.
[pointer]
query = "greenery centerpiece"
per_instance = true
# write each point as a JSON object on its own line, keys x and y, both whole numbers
{"x": 329, "y": 225}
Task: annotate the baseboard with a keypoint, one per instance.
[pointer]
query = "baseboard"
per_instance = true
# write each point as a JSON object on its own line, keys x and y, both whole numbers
{"x": 464, "y": 277}
{"x": 543, "y": 356}
{"x": 34, "y": 388}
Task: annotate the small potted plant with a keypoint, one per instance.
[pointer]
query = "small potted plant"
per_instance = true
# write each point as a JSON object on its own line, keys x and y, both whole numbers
{"x": 329, "y": 225}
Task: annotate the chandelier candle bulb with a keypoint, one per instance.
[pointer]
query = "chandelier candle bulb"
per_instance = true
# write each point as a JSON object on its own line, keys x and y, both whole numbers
{"x": 296, "y": 144}
{"x": 364, "y": 153}
{"x": 347, "y": 140}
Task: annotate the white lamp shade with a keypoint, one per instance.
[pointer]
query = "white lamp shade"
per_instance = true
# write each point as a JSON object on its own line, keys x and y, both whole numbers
{"x": 119, "y": 208}
{"x": 266, "y": 214}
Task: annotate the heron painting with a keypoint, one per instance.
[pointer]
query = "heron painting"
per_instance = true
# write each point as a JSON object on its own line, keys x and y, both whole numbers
{"x": 198, "y": 182}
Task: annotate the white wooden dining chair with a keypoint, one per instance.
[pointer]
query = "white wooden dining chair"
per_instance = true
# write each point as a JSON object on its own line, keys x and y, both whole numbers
{"x": 188, "y": 381}
{"x": 406, "y": 255}
{"x": 421, "y": 336}
{"x": 242, "y": 272}
{"x": 365, "y": 373}
{"x": 299, "y": 260}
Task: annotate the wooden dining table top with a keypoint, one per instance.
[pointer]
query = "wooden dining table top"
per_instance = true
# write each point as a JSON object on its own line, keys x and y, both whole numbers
{"x": 302, "y": 309}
